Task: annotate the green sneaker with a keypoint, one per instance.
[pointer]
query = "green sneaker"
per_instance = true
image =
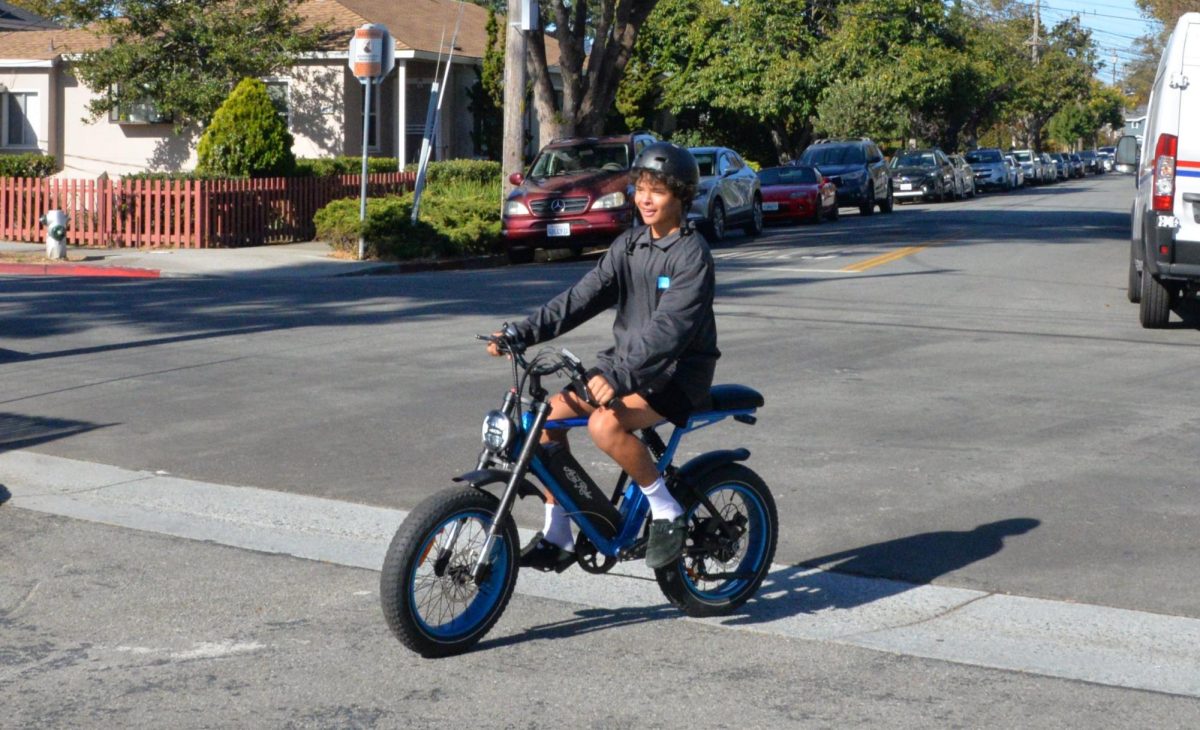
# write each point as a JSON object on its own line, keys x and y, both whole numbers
{"x": 666, "y": 542}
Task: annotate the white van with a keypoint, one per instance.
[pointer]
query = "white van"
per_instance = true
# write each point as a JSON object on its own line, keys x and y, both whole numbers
{"x": 1164, "y": 260}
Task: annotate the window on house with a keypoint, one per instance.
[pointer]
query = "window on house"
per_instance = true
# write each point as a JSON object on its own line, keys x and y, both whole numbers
{"x": 280, "y": 92}
{"x": 17, "y": 112}
{"x": 140, "y": 112}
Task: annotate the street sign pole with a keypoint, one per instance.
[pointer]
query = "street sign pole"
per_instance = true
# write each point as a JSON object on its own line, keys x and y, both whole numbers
{"x": 371, "y": 58}
{"x": 362, "y": 195}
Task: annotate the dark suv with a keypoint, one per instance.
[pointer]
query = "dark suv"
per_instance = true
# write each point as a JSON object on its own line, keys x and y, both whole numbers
{"x": 576, "y": 192}
{"x": 857, "y": 168}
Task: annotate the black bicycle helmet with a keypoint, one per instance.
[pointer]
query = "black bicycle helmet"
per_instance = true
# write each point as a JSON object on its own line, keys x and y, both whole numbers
{"x": 671, "y": 160}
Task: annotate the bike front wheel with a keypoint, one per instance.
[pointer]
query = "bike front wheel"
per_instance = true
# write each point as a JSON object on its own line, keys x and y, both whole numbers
{"x": 718, "y": 571}
{"x": 431, "y": 601}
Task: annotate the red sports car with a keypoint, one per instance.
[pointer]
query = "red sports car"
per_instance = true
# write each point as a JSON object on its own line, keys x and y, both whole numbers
{"x": 795, "y": 193}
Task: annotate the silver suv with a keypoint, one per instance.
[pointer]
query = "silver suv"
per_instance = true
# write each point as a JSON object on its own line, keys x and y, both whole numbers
{"x": 728, "y": 194}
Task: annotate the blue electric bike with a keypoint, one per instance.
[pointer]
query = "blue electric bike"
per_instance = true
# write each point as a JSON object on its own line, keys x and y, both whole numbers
{"x": 452, "y": 565}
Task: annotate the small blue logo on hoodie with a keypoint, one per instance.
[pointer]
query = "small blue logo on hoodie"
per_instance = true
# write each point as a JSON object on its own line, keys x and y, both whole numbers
{"x": 664, "y": 282}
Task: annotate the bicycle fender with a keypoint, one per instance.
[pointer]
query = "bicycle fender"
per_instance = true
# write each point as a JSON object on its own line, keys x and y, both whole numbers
{"x": 481, "y": 478}
{"x": 704, "y": 463}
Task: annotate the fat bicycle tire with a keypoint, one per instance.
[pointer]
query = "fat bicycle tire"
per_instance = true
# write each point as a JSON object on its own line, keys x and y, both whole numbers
{"x": 734, "y": 490}
{"x": 417, "y": 603}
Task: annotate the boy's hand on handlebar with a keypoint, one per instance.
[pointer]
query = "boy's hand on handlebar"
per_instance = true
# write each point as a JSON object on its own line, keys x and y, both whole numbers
{"x": 493, "y": 345}
{"x": 602, "y": 391}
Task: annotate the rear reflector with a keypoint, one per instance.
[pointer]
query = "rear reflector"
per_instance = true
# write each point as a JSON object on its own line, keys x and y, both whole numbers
{"x": 1164, "y": 173}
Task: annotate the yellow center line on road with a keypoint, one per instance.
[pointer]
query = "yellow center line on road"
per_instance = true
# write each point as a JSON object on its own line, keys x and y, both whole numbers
{"x": 882, "y": 259}
{"x": 890, "y": 256}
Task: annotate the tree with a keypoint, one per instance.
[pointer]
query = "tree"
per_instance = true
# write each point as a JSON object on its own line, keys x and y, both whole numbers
{"x": 247, "y": 136}
{"x": 595, "y": 42}
{"x": 184, "y": 57}
{"x": 485, "y": 98}
{"x": 730, "y": 71}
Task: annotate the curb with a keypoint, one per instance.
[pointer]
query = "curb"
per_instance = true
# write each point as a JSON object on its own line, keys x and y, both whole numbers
{"x": 414, "y": 267}
{"x": 78, "y": 270}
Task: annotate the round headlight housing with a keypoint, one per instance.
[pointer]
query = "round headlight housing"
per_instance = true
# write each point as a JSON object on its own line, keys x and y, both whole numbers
{"x": 497, "y": 432}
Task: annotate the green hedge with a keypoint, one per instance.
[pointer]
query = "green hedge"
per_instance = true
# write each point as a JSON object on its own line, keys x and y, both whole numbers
{"x": 456, "y": 220}
{"x": 31, "y": 164}
{"x": 325, "y": 166}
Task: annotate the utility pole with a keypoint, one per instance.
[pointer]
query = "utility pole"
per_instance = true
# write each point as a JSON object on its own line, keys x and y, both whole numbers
{"x": 1037, "y": 29}
{"x": 1114, "y": 68}
{"x": 512, "y": 157}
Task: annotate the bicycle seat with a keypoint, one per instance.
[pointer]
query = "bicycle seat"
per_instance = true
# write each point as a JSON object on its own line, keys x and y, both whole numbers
{"x": 734, "y": 398}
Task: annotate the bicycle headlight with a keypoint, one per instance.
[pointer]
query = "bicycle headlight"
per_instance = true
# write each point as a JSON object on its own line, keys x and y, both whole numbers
{"x": 497, "y": 432}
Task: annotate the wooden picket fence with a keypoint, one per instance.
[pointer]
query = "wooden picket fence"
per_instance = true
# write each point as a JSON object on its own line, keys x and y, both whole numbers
{"x": 180, "y": 213}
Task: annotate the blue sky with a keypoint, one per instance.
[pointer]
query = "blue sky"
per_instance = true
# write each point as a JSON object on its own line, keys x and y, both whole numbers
{"x": 1114, "y": 24}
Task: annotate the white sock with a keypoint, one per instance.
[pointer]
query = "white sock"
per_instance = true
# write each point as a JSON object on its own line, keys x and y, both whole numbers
{"x": 662, "y": 505}
{"x": 557, "y": 527}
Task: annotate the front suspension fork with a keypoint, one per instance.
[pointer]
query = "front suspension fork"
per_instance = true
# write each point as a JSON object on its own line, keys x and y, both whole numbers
{"x": 541, "y": 413}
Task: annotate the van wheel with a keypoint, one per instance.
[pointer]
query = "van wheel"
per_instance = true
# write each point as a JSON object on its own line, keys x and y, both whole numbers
{"x": 1134, "y": 290}
{"x": 1155, "y": 301}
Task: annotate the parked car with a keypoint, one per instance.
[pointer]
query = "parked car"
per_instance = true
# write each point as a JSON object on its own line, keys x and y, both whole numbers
{"x": 1017, "y": 172}
{"x": 1062, "y": 170}
{"x": 1049, "y": 168}
{"x": 797, "y": 193}
{"x": 1164, "y": 254}
{"x": 1107, "y": 160}
{"x": 857, "y": 168}
{"x": 992, "y": 170}
{"x": 923, "y": 174}
{"x": 576, "y": 192}
{"x": 1076, "y": 164}
{"x": 728, "y": 194}
{"x": 1031, "y": 165}
{"x": 1091, "y": 162}
{"x": 964, "y": 176}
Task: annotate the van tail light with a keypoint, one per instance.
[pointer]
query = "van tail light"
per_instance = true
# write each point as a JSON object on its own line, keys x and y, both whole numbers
{"x": 1164, "y": 172}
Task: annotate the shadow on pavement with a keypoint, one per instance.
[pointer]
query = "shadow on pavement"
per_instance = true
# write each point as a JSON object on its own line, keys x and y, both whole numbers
{"x": 886, "y": 568}
{"x": 5, "y": 495}
{"x": 902, "y": 564}
{"x": 21, "y": 432}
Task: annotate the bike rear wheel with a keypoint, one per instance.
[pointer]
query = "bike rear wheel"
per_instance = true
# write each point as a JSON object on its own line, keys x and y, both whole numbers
{"x": 430, "y": 601}
{"x": 718, "y": 573}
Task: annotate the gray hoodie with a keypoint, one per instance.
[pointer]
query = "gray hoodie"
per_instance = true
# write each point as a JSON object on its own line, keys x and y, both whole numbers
{"x": 664, "y": 329}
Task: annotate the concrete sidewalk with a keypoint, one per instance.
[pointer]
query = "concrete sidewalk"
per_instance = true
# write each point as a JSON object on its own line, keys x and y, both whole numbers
{"x": 283, "y": 261}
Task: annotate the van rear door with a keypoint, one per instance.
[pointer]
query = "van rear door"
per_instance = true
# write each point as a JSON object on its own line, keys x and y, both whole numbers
{"x": 1187, "y": 166}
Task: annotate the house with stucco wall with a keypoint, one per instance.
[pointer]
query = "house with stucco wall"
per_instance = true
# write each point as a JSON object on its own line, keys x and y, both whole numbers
{"x": 44, "y": 105}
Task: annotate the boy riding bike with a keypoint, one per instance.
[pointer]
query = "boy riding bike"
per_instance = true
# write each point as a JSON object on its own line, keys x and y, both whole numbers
{"x": 660, "y": 278}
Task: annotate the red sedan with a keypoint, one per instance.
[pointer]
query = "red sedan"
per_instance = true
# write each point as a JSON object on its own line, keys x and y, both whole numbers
{"x": 796, "y": 193}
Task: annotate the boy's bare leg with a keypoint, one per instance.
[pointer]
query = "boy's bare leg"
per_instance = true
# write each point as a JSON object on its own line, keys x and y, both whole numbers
{"x": 611, "y": 429}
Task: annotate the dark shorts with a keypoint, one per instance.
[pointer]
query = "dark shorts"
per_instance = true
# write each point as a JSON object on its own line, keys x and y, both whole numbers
{"x": 670, "y": 402}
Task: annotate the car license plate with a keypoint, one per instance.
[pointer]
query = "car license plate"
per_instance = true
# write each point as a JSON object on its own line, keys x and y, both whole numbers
{"x": 770, "y": 207}
{"x": 558, "y": 230}
{"x": 905, "y": 186}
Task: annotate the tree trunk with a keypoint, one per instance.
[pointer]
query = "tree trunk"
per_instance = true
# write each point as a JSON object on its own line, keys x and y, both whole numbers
{"x": 588, "y": 94}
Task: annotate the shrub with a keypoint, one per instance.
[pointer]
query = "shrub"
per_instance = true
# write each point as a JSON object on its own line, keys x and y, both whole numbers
{"x": 247, "y": 137}
{"x": 325, "y": 166}
{"x": 456, "y": 171}
{"x": 456, "y": 220}
{"x": 31, "y": 164}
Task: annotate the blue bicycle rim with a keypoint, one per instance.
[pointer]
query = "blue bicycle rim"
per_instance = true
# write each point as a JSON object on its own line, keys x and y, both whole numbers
{"x": 756, "y": 547}
{"x": 486, "y": 594}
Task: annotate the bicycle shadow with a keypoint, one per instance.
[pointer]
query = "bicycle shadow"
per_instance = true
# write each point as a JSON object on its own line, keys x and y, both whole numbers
{"x": 864, "y": 575}
{"x": 842, "y": 580}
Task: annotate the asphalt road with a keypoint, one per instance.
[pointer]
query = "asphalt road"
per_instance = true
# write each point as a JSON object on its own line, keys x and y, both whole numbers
{"x": 957, "y": 394}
